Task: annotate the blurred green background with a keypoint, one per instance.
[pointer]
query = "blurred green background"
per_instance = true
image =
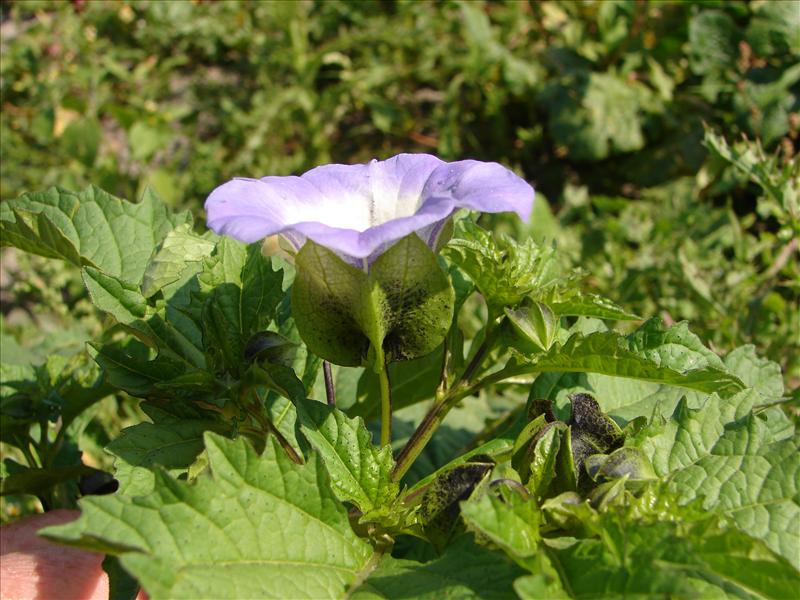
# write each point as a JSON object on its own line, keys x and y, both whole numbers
{"x": 660, "y": 136}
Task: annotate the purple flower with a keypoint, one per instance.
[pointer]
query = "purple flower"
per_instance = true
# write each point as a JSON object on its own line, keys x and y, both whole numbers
{"x": 359, "y": 211}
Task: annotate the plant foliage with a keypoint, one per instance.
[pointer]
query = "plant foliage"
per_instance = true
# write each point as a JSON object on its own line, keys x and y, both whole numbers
{"x": 608, "y": 403}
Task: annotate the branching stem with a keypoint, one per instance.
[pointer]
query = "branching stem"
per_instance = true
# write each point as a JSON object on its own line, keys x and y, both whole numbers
{"x": 445, "y": 402}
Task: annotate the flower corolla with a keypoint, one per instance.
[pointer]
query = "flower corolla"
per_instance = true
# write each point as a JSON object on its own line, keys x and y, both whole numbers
{"x": 359, "y": 211}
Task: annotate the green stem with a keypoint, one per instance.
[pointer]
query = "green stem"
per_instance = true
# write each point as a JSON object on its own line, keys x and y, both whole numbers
{"x": 419, "y": 439}
{"x": 44, "y": 440}
{"x": 25, "y": 447}
{"x": 489, "y": 335}
{"x": 425, "y": 430}
{"x": 445, "y": 403}
{"x": 386, "y": 406}
{"x": 475, "y": 362}
{"x": 441, "y": 389}
{"x": 53, "y": 448}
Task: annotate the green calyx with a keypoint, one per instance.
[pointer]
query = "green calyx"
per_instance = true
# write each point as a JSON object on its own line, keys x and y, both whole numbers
{"x": 402, "y": 308}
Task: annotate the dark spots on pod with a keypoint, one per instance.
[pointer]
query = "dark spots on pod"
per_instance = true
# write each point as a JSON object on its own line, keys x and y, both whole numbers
{"x": 588, "y": 418}
{"x": 439, "y": 508}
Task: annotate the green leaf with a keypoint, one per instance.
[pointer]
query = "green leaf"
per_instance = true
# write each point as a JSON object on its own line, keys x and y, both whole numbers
{"x": 224, "y": 265}
{"x": 404, "y": 305}
{"x": 673, "y": 356}
{"x": 169, "y": 442}
{"x": 506, "y": 272}
{"x": 466, "y": 571}
{"x": 178, "y": 341}
{"x": 130, "y": 366}
{"x": 256, "y": 527}
{"x": 541, "y": 585}
{"x": 544, "y": 461}
{"x": 180, "y": 250}
{"x": 503, "y": 270}
{"x": 626, "y": 399}
{"x": 278, "y": 378}
{"x": 759, "y": 374}
{"x": 61, "y": 387}
{"x": 511, "y": 522}
{"x": 121, "y": 299}
{"x": 578, "y": 304}
{"x": 19, "y": 401}
{"x": 737, "y": 558}
{"x": 778, "y": 182}
{"x": 683, "y": 556}
{"x": 234, "y": 311}
{"x": 360, "y": 473}
{"x": 738, "y": 467}
{"x": 775, "y": 29}
{"x": 90, "y": 228}
{"x": 595, "y": 115}
{"x": 282, "y": 413}
{"x": 713, "y": 39}
{"x": 121, "y": 586}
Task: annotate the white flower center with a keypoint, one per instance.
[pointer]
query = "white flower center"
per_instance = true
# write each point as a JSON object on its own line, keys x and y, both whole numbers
{"x": 381, "y": 195}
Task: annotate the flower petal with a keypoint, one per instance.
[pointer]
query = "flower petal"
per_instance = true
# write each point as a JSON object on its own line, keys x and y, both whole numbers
{"x": 355, "y": 210}
{"x": 397, "y": 185}
{"x": 359, "y": 247}
{"x": 359, "y": 211}
{"x": 251, "y": 209}
{"x": 487, "y": 187}
{"x": 363, "y": 196}
{"x": 346, "y": 193}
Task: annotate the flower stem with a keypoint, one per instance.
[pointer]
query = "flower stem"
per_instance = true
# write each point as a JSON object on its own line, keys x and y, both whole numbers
{"x": 380, "y": 367}
{"x": 386, "y": 406}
